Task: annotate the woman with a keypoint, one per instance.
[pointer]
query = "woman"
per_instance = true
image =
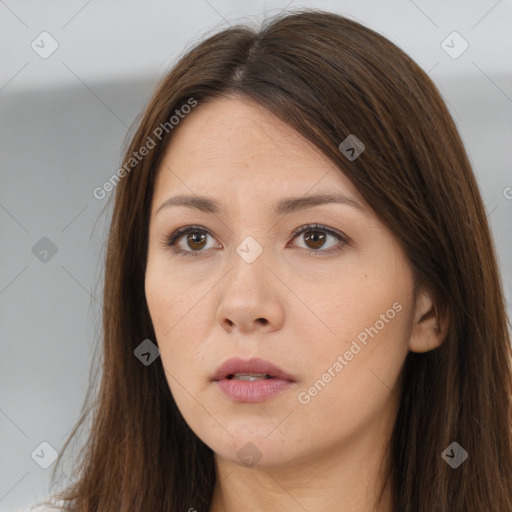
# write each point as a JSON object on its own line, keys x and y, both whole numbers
{"x": 302, "y": 304}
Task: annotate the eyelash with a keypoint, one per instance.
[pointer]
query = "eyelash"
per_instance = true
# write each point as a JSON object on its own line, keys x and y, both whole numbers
{"x": 170, "y": 240}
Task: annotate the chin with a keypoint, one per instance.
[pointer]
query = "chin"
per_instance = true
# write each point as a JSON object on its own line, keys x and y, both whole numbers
{"x": 252, "y": 444}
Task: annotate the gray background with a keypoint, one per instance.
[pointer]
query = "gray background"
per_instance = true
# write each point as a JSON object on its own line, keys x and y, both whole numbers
{"x": 63, "y": 121}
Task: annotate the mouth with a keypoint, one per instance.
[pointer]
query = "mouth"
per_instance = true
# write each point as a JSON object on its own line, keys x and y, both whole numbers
{"x": 249, "y": 376}
{"x": 255, "y": 380}
{"x": 252, "y": 369}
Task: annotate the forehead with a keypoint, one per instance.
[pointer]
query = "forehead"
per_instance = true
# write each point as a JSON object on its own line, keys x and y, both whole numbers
{"x": 234, "y": 129}
{"x": 233, "y": 142}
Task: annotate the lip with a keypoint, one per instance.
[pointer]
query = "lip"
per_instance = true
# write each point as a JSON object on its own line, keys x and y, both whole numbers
{"x": 253, "y": 365}
{"x": 251, "y": 391}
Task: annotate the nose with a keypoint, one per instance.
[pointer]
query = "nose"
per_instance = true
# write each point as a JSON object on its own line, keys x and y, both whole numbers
{"x": 249, "y": 298}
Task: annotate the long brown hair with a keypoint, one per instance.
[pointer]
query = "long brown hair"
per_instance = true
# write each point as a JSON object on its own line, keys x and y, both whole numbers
{"x": 327, "y": 77}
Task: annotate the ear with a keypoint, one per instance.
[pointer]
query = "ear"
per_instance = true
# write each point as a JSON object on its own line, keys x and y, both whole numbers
{"x": 429, "y": 328}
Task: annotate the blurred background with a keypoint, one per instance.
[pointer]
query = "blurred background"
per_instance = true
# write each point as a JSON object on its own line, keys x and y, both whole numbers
{"x": 75, "y": 75}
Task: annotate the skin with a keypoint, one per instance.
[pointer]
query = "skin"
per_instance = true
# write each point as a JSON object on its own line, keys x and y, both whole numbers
{"x": 326, "y": 454}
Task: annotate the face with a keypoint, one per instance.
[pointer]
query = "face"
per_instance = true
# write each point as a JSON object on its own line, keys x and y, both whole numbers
{"x": 320, "y": 289}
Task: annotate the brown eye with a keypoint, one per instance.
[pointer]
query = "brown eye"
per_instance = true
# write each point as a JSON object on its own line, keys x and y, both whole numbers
{"x": 193, "y": 240}
{"x": 196, "y": 240}
{"x": 190, "y": 241}
{"x": 315, "y": 239}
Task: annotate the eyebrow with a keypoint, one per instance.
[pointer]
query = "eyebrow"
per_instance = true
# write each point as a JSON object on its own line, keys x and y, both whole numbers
{"x": 284, "y": 206}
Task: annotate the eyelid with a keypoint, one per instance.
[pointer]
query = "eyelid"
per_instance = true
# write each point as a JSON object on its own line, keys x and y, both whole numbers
{"x": 320, "y": 227}
{"x": 344, "y": 240}
{"x": 170, "y": 240}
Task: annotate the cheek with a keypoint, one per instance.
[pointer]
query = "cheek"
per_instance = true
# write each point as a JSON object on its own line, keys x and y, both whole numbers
{"x": 353, "y": 365}
{"x": 168, "y": 307}
{"x": 180, "y": 323}
{"x": 350, "y": 384}
{"x": 170, "y": 299}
